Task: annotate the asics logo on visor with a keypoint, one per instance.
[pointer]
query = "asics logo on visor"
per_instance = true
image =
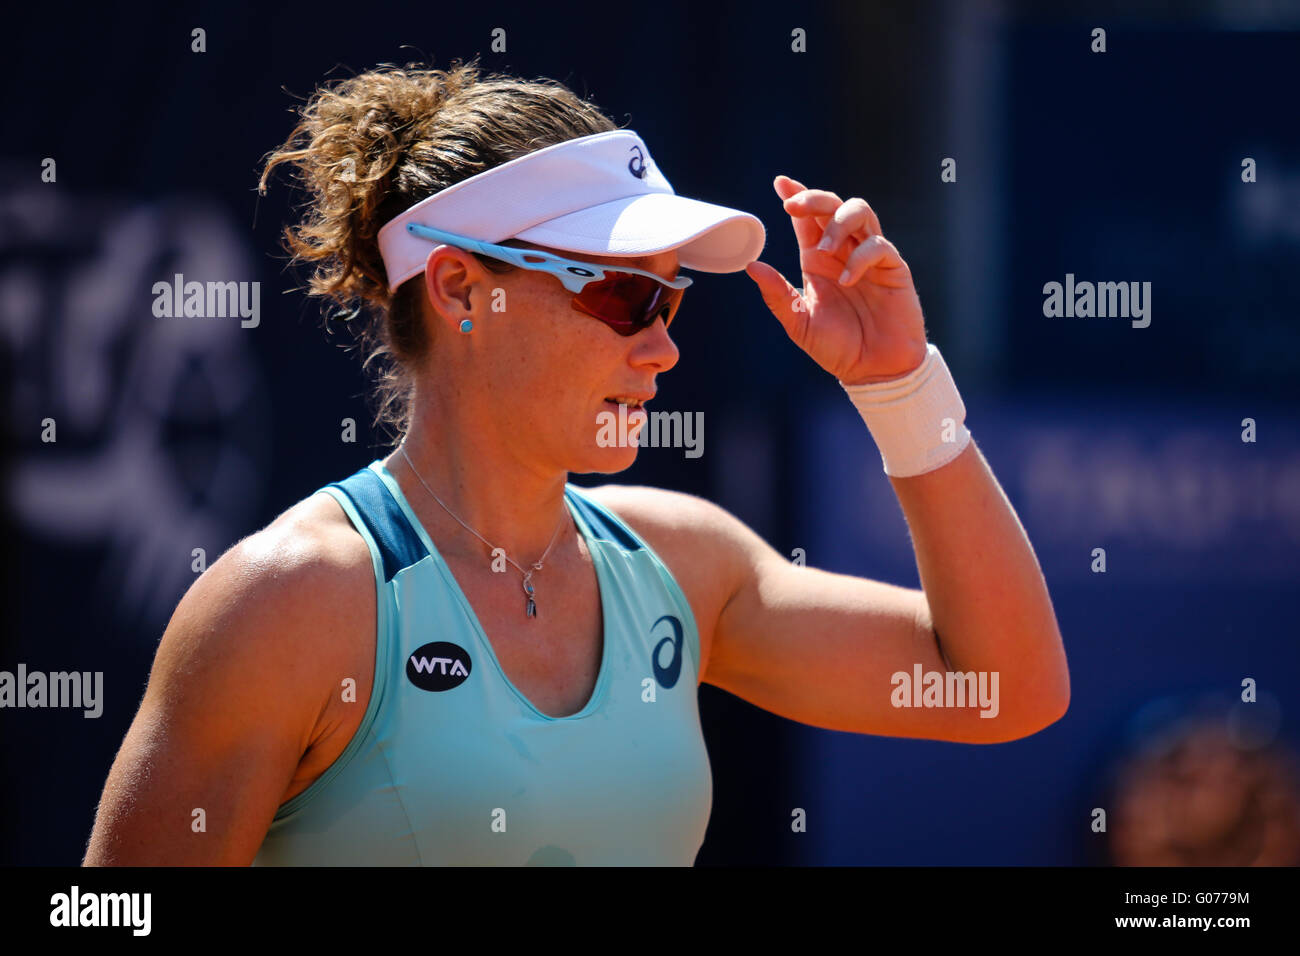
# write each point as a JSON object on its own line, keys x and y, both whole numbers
{"x": 636, "y": 165}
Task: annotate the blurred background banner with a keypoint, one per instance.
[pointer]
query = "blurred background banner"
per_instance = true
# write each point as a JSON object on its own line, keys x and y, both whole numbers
{"x": 1198, "y": 533}
{"x": 1004, "y": 146}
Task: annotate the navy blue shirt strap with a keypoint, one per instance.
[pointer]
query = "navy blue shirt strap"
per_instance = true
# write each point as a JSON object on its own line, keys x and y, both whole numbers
{"x": 604, "y": 524}
{"x": 399, "y": 545}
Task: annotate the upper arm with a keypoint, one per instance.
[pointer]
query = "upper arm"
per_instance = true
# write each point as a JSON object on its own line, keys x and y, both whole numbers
{"x": 238, "y": 684}
{"x": 811, "y": 645}
{"x": 820, "y": 647}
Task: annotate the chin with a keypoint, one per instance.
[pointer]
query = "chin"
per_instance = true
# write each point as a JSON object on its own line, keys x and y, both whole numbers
{"x": 613, "y": 445}
{"x": 606, "y": 461}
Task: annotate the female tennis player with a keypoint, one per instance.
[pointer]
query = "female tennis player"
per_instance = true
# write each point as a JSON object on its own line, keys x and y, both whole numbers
{"x": 454, "y": 656}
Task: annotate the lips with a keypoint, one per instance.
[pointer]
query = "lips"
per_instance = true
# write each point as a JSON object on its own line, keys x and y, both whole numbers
{"x": 632, "y": 401}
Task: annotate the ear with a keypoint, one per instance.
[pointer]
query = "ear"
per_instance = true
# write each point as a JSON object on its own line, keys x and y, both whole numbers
{"x": 450, "y": 274}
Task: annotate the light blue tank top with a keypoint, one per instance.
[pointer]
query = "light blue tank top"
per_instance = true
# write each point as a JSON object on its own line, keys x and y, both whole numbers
{"x": 452, "y": 765}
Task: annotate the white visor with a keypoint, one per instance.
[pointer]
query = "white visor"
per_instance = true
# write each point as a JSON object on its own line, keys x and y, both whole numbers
{"x": 600, "y": 194}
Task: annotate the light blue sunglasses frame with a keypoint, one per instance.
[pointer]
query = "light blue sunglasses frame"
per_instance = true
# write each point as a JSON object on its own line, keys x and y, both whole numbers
{"x": 573, "y": 273}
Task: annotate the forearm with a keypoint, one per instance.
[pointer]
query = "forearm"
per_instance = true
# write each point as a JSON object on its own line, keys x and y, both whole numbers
{"x": 984, "y": 588}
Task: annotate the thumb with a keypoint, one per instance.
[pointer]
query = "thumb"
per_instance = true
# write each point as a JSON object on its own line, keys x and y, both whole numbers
{"x": 780, "y": 297}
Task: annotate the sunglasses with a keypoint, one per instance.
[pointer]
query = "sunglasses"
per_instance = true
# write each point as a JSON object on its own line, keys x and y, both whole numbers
{"x": 627, "y": 300}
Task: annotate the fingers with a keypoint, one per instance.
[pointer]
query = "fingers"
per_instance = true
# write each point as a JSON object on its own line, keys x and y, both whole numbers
{"x": 812, "y": 206}
{"x": 836, "y": 219}
{"x": 806, "y": 231}
{"x": 853, "y": 218}
{"x": 847, "y": 230}
{"x": 783, "y": 184}
{"x": 785, "y": 301}
{"x": 876, "y": 253}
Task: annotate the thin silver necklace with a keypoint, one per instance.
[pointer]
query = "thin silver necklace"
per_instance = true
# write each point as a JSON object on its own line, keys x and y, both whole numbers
{"x": 531, "y": 607}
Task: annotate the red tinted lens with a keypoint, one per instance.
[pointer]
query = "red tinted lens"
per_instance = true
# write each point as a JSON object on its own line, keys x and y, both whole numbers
{"x": 628, "y": 303}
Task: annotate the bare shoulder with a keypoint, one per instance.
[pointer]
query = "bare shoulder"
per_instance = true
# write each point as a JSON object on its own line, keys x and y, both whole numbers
{"x": 240, "y": 690}
{"x": 313, "y": 537}
{"x": 710, "y": 552}
{"x": 308, "y": 553}
{"x": 305, "y": 582}
{"x": 675, "y": 521}
{"x": 661, "y": 509}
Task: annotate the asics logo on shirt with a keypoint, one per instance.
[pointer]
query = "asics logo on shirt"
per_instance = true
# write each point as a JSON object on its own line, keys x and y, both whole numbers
{"x": 667, "y": 674}
{"x": 439, "y": 666}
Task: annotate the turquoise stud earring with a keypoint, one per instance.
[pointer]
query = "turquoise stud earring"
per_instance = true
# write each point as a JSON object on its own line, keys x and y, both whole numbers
{"x": 466, "y": 325}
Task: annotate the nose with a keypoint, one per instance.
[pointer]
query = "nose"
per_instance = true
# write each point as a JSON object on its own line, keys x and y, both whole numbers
{"x": 653, "y": 347}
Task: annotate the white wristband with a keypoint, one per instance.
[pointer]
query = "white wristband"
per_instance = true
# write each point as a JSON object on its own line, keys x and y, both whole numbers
{"x": 917, "y": 421}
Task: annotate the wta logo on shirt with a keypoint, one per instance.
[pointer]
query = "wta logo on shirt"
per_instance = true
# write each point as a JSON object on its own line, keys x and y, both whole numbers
{"x": 438, "y": 666}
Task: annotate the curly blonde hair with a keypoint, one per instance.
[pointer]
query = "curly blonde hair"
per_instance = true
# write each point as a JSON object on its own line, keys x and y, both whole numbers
{"x": 370, "y": 146}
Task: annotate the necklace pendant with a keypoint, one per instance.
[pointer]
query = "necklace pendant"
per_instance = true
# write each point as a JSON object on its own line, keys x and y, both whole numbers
{"x": 528, "y": 589}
